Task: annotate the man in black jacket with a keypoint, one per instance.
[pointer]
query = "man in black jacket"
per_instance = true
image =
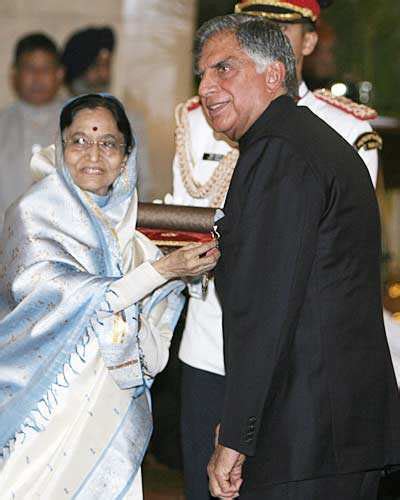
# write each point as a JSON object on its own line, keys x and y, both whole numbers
{"x": 311, "y": 408}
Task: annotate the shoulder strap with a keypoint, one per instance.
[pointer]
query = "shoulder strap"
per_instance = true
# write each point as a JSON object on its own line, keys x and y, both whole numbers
{"x": 359, "y": 111}
{"x": 368, "y": 140}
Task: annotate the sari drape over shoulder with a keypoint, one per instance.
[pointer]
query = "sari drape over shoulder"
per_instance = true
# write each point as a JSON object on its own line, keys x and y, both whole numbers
{"x": 62, "y": 251}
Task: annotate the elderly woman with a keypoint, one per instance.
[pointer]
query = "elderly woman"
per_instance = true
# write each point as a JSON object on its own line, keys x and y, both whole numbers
{"x": 91, "y": 312}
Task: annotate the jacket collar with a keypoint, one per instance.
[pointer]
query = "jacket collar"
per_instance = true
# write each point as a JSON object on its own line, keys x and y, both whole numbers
{"x": 276, "y": 111}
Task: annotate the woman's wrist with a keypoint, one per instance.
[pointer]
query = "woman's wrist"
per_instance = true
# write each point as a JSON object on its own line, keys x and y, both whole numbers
{"x": 161, "y": 267}
{"x": 137, "y": 284}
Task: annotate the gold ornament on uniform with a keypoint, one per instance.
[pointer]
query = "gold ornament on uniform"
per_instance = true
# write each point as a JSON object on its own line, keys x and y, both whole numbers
{"x": 216, "y": 187}
{"x": 360, "y": 111}
{"x": 296, "y": 14}
{"x": 368, "y": 141}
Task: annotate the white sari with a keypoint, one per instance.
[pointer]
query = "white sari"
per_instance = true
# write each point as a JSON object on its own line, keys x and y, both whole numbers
{"x": 52, "y": 464}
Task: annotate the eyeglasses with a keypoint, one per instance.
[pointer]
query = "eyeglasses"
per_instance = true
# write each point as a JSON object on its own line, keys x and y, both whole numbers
{"x": 81, "y": 143}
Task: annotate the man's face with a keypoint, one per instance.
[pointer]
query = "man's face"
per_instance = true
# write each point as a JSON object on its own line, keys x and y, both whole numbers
{"x": 37, "y": 77}
{"x": 302, "y": 42}
{"x": 98, "y": 75}
{"x": 232, "y": 93}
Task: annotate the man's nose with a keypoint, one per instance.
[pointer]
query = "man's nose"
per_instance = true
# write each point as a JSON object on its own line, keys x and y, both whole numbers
{"x": 208, "y": 84}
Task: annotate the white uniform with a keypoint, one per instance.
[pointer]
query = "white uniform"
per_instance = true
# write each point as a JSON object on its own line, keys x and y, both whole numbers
{"x": 202, "y": 345}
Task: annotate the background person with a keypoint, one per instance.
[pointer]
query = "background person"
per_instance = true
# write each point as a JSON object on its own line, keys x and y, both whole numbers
{"x": 90, "y": 315}
{"x": 31, "y": 121}
{"x": 87, "y": 58}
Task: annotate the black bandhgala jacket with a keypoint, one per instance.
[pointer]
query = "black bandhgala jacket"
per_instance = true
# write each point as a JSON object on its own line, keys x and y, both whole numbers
{"x": 310, "y": 387}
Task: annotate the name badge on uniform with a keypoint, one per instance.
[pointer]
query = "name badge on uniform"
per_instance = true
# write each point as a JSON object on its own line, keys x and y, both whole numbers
{"x": 212, "y": 157}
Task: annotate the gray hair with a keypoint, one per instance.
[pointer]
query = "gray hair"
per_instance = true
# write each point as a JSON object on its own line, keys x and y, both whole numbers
{"x": 262, "y": 41}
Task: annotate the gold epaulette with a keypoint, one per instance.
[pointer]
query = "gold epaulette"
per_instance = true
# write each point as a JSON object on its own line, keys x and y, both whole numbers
{"x": 368, "y": 140}
{"x": 360, "y": 111}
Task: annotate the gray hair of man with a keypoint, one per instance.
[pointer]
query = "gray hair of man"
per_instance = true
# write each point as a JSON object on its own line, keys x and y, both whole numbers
{"x": 261, "y": 40}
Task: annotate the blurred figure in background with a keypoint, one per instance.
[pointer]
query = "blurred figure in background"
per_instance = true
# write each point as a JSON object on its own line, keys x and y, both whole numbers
{"x": 87, "y": 59}
{"x": 31, "y": 121}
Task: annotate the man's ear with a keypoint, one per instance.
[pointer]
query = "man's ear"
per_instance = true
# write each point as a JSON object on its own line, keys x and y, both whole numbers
{"x": 275, "y": 75}
{"x": 310, "y": 40}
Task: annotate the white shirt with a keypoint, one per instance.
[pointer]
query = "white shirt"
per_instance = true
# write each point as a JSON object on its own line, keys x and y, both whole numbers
{"x": 202, "y": 341}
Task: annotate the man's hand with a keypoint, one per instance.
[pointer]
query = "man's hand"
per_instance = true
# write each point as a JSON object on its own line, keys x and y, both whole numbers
{"x": 225, "y": 472}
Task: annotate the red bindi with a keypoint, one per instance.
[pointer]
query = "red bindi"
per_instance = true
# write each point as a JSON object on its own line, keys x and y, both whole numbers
{"x": 94, "y": 129}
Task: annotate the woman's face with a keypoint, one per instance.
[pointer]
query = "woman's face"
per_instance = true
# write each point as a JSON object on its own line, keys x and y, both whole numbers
{"x": 94, "y": 150}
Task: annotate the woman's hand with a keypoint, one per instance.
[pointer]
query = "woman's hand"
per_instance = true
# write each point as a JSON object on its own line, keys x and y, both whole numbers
{"x": 191, "y": 260}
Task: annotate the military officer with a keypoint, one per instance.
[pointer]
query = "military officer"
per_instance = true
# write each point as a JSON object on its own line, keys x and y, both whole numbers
{"x": 203, "y": 166}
